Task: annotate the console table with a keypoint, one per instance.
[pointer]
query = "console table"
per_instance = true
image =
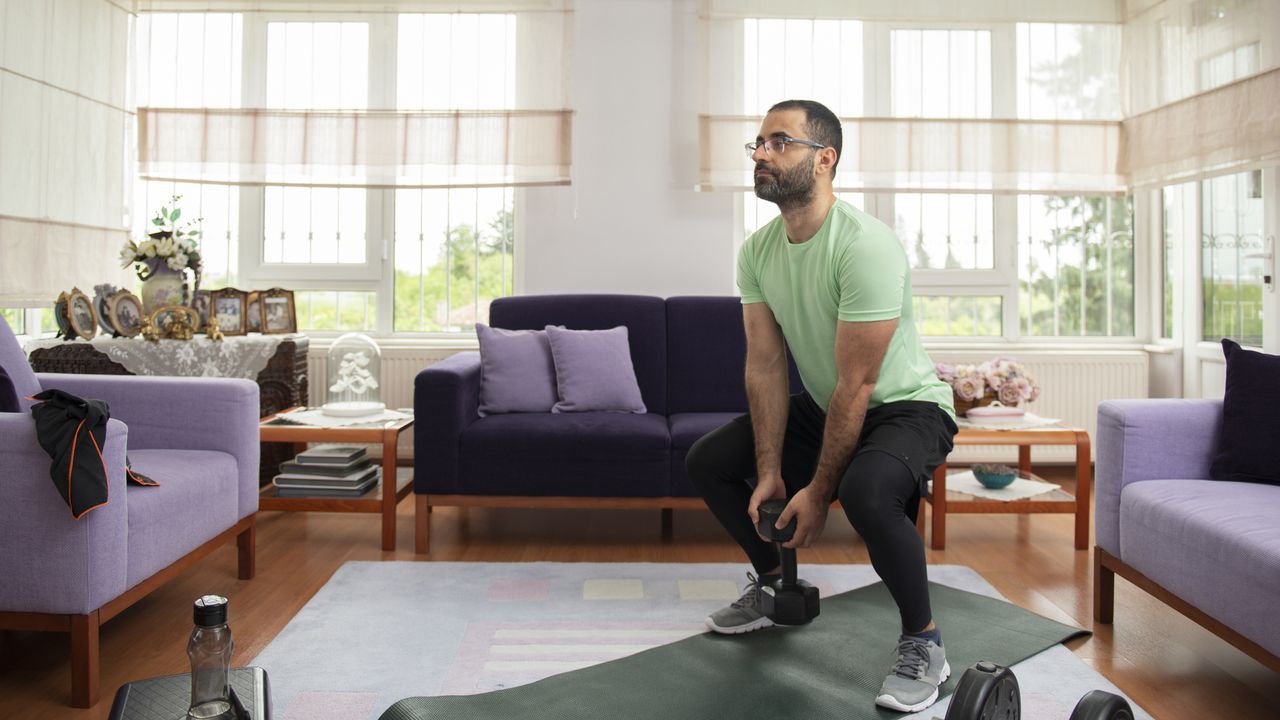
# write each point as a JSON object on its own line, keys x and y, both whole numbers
{"x": 278, "y": 363}
{"x": 1054, "y": 502}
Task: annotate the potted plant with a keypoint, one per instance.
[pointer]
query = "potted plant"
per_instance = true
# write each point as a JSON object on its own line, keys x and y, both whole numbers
{"x": 162, "y": 261}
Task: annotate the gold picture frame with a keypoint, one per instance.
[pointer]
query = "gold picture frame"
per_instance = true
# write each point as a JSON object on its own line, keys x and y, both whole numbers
{"x": 253, "y": 312}
{"x": 81, "y": 316}
{"x": 228, "y": 309}
{"x": 125, "y": 313}
{"x": 175, "y": 322}
{"x": 279, "y": 316}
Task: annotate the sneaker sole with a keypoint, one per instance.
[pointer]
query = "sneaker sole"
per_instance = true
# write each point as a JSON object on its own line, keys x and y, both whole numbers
{"x": 890, "y": 702}
{"x": 759, "y": 624}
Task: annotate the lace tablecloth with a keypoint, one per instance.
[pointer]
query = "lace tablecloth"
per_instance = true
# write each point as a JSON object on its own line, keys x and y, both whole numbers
{"x": 233, "y": 357}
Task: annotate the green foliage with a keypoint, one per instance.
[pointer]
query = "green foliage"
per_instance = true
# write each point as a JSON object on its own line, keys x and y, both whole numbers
{"x": 337, "y": 311}
{"x": 16, "y": 318}
{"x": 1093, "y": 298}
{"x": 470, "y": 271}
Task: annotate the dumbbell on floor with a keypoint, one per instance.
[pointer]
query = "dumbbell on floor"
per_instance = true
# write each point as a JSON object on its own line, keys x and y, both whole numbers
{"x": 988, "y": 691}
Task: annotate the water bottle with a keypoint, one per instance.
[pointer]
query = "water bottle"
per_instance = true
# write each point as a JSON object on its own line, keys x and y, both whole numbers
{"x": 210, "y": 653}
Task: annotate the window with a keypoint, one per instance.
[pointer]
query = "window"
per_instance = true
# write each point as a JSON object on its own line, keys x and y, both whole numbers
{"x": 958, "y": 315}
{"x": 1068, "y": 71}
{"x": 946, "y": 231}
{"x": 16, "y": 318}
{"x": 1075, "y": 266}
{"x": 941, "y": 73}
{"x": 1229, "y": 66}
{"x": 437, "y": 254}
{"x": 1232, "y": 230}
{"x": 1179, "y": 206}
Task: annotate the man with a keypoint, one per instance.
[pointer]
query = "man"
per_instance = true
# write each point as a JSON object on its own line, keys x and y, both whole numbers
{"x": 873, "y": 420}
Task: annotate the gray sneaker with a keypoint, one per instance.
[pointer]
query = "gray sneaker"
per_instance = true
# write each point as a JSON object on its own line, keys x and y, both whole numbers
{"x": 743, "y": 615}
{"x": 913, "y": 683}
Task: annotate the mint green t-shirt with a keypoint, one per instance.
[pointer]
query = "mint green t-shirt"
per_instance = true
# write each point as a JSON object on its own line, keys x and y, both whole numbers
{"x": 855, "y": 270}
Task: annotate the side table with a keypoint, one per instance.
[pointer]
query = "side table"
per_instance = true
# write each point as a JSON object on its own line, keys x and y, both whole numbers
{"x": 383, "y": 499}
{"x": 1055, "y": 502}
{"x": 169, "y": 697}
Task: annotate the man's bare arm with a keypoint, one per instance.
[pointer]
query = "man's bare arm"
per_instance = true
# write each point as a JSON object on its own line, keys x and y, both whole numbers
{"x": 767, "y": 397}
{"x": 860, "y": 350}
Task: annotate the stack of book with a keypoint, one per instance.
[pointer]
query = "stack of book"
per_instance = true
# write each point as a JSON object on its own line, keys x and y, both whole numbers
{"x": 327, "y": 471}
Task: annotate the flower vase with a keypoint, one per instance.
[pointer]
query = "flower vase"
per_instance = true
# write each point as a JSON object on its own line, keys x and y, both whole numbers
{"x": 964, "y": 406}
{"x": 163, "y": 286}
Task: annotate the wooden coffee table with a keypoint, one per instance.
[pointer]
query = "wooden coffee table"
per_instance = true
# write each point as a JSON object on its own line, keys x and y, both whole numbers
{"x": 1054, "y": 502}
{"x": 377, "y": 500}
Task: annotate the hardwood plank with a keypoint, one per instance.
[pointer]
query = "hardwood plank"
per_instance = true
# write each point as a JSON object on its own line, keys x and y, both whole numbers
{"x": 1173, "y": 667}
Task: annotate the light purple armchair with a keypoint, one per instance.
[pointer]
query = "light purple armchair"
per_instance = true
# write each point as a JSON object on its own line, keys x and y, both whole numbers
{"x": 197, "y": 437}
{"x": 1208, "y": 548}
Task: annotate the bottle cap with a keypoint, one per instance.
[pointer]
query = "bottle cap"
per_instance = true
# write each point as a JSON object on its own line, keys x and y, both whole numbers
{"x": 211, "y": 610}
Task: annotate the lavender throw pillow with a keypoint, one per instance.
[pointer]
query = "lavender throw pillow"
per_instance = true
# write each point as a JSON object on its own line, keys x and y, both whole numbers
{"x": 517, "y": 374}
{"x": 594, "y": 371}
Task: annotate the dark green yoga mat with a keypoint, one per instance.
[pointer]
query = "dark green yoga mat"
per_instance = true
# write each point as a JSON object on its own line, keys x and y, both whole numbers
{"x": 831, "y": 668}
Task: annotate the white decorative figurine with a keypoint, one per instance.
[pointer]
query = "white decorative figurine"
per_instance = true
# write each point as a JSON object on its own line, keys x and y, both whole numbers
{"x": 354, "y": 365}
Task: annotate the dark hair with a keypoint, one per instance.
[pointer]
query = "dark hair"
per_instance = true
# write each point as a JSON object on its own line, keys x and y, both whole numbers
{"x": 822, "y": 125}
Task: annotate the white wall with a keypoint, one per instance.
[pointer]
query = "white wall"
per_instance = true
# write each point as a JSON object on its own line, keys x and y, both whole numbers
{"x": 631, "y": 222}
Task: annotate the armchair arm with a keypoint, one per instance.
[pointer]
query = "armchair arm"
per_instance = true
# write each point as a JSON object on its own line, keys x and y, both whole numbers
{"x": 51, "y": 562}
{"x": 1149, "y": 440}
{"x": 446, "y": 399}
{"x": 179, "y": 412}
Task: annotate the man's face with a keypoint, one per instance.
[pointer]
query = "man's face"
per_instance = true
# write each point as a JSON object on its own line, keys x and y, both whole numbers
{"x": 787, "y": 178}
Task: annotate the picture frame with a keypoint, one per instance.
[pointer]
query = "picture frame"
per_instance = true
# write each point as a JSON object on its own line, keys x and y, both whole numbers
{"x": 81, "y": 316}
{"x": 228, "y": 308}
{"x": 200, "y": 303}
{"x": 60, "y": 317}
{"x": 124, "y": 313}
{"x": 253, "y": 312}
{"x": 279, "y": 316}
{"x": 101, "y": 294}
{"x": 175, "y": 322}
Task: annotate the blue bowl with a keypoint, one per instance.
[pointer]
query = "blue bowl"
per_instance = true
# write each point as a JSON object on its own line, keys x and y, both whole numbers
{"x": 995, "y": 476}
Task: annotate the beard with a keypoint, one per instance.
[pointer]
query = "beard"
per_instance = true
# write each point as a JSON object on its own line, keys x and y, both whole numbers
{"x": 789, "y": 188}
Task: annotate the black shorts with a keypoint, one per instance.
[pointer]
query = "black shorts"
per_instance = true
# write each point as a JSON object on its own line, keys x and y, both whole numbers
{"x": 918, "y": 433}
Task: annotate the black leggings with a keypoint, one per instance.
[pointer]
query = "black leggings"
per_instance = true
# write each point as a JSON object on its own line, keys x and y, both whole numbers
{"x": 879, "y": 491}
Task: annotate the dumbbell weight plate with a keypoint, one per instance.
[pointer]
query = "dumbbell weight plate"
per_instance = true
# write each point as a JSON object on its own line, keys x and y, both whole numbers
{"x": 1102, "y": 705}
{"x": 986, "y": 692}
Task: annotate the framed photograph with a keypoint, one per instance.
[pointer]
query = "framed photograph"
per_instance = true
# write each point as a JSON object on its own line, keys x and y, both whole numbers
{"x": 177, "y": 322}
{"x": 200, "y": 303}
{"x": 124, "y": 313}
{"x": 101, "y": 294}
{"x": 278, "y": 313}
{"x": 81, "y": 315}
{"x": 253, "y": 311}
{"x": 228, "y": 308}
{"x": 60, "y": 316}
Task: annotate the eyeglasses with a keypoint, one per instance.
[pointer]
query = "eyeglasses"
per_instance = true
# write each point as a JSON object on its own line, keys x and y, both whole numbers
{"x": 778, "y": 145}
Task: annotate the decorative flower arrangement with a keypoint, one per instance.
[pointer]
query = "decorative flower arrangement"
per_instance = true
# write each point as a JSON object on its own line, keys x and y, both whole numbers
{"x": 168, "y": 245}
{"x": 1002, "y": 379}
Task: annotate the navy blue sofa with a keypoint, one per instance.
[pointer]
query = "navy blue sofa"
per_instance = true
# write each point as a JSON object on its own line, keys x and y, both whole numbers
{"x": 688, "y": 354}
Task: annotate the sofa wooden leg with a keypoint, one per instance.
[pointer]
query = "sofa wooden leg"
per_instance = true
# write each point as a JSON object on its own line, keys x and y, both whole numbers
{"x": 247, "y": 551}
{"x": 84, "y": 660}
{"x": 421, "y": 525}
{"x": 1104, "y": 590}
{"x": 668, "y": 523}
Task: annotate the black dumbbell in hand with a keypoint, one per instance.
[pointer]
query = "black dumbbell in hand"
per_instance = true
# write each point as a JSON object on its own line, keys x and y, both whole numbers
{"x": 787, "y": 601}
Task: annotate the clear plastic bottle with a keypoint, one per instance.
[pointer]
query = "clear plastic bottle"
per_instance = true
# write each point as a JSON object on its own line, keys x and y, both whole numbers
{"x": 210, "y": 653}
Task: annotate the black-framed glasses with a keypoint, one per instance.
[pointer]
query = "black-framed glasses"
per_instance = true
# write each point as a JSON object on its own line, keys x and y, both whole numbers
{"x": 778, "y": 144}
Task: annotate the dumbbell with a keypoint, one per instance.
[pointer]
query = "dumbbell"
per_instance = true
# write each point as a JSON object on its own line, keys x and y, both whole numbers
{"x": 988, "y": 691}
{"x": 788, "y": 600}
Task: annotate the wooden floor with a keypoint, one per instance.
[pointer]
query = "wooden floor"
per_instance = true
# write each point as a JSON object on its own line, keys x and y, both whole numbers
{"x": 1171, "y": 666}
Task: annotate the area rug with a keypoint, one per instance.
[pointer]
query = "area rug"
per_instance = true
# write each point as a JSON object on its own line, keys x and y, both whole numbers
{"x": 378, "y": 632}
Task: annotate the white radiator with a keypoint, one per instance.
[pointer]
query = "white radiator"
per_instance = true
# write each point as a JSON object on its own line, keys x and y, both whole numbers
{"x": 1071, "y": 386}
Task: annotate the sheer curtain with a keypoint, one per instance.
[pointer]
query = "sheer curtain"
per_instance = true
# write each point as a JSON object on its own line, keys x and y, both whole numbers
{"x": 437, "y": 140}
{"x": 65, "y": 146}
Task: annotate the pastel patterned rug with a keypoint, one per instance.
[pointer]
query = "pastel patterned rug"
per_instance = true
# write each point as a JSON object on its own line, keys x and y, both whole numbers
{"x": 378, "y": 632}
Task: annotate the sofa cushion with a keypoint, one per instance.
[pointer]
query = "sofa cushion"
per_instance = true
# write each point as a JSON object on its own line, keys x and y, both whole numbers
{"x": 577, "y": 454}
{"x": 517, "y": 373}
{"x": 1247, "y": 450}
{"x": 198, "y": 497}
{"x": 594, "y": 371}
{"x": 687, "y": 429}
{"x": 644, "y": 316}
{"x": 1212, "y": 543}
{"x": 706, "y": 355}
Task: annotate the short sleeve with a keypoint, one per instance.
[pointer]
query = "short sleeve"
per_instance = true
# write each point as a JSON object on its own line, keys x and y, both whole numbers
{"x": 871, "y": 275}
{"x": 748, "y": 278}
